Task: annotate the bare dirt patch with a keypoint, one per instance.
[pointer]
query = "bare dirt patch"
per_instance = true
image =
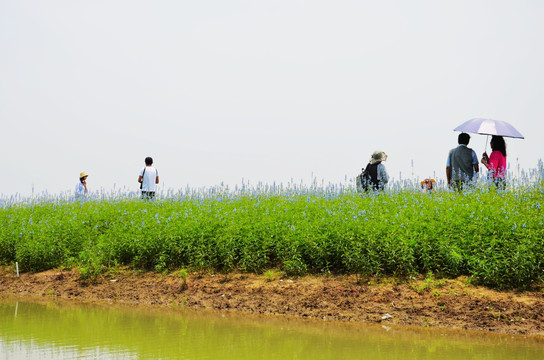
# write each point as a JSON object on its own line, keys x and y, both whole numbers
{"x": 448, "y": 303}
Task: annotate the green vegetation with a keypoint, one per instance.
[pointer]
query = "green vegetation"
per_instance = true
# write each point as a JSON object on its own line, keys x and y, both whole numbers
{"x": 495, "y": 238}
{"x": 272, "y": 275}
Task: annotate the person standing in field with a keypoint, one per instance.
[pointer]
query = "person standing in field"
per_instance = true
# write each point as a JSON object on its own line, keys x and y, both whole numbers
{"x": 148, "y": 179}
{"x": 81, "y": 187}
{"x": 374, "y": 176}
{"x": 496, "y": 162}
{"x": 462, "y": 164}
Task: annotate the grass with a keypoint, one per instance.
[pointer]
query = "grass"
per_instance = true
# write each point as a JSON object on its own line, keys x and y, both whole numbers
{"x": 272, "y": 275}
{"x": 494, "y": 238}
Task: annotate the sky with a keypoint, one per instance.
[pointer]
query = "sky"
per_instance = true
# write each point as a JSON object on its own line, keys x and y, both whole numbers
{"x": 232, "y": 92}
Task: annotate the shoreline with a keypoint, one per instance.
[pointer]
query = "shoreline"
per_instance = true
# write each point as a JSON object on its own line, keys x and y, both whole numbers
{"x": 434, "y": 303}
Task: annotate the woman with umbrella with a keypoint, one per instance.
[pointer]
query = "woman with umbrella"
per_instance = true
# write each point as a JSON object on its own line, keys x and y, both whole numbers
{"x": 496, "y": 162}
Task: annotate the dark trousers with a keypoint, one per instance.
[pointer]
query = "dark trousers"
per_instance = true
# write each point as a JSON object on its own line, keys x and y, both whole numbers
{"x": 148, "y": 195}
{"x": 500, "y": 183}
{"x": 459, "y": 185}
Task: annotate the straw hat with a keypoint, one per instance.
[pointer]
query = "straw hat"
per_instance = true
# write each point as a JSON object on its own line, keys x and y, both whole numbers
{"x": 83, "y": 174}
{"x": 428, "y": 183}
{"x": 378, "y": 156}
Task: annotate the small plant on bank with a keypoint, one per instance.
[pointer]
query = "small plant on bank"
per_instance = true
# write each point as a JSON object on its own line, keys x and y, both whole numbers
{"x": 182, "y": 274}
{"x": 273, "y": 275}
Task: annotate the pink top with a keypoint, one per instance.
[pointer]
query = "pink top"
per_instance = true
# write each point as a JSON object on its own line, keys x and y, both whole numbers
{"x": 497, "y": 164}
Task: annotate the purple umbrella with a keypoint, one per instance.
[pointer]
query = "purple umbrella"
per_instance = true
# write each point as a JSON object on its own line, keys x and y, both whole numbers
{"x": 489, "y": 127}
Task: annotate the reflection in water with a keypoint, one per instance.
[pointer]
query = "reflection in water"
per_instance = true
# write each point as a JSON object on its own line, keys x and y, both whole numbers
{"x": 61, "y": 330}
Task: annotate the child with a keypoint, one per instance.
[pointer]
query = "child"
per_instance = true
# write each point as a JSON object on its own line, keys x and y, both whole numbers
{"x": 427, "y": 185}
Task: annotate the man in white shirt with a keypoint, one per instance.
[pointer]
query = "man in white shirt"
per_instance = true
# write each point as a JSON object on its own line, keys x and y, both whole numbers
{"x": 148, "y": 179}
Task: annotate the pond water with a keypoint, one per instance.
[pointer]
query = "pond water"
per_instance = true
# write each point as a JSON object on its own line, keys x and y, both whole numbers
{"x": 60, "y": 330}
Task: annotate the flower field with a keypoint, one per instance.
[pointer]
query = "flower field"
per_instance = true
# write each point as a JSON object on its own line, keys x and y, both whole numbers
{"x": 496, "y": 238}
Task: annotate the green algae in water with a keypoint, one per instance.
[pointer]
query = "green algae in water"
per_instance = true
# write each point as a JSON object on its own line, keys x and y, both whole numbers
{"x": 79, "y": 331}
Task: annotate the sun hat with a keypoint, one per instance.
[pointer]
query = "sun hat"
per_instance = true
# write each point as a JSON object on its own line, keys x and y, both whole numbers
{"x": 428, "y": 183}
{"x": 378, "y": 156}
{"x": 83, "y": 174}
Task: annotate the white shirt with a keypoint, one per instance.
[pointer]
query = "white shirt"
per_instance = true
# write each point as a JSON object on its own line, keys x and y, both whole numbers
{"x": 80, "y": 190}
{"x": 149, "y": 178}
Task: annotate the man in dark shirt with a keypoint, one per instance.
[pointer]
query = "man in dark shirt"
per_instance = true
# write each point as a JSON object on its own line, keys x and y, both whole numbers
{"x": 462, "y": 163}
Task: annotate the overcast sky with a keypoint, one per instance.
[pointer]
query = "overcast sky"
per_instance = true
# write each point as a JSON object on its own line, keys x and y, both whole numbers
{"x": 220, "y": 91}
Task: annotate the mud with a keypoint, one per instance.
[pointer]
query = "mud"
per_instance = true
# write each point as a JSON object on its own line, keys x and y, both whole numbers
{"x": 452, "y": 303}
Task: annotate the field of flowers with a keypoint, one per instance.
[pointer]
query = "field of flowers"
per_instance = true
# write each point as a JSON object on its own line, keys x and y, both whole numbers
{"x": 494, "y": 237}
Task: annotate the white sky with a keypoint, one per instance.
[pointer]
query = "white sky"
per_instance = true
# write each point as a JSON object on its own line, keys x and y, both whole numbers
{"x": 220, "y": 91}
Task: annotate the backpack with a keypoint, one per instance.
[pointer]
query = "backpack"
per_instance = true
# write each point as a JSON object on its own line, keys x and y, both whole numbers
{"x": 364, "y": 182}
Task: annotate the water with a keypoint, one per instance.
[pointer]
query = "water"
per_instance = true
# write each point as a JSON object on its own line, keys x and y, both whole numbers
{"x": 53, "y": 330}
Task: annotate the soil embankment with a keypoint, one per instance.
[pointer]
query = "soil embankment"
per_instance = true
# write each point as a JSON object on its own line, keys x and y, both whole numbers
{"x": 425, "y": 302}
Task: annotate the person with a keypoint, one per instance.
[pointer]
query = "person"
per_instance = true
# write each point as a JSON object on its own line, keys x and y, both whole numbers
{"x": 81, "y": 187}
{"x": 462, "y": 164}
{"x": 428, "y": 185}
{"x": 374, "y": 176}
{"x": 496, "y": 162}
{"x": 148, "y": 179}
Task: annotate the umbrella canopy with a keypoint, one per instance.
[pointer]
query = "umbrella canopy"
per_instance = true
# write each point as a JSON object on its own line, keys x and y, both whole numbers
{"x": 489, "y": 127}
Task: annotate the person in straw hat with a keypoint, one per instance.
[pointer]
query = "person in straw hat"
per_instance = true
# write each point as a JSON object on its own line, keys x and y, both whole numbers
{"x": 374, "y": 176}
{"x": 428, "y": 185}
{"x": 81, "y": 187}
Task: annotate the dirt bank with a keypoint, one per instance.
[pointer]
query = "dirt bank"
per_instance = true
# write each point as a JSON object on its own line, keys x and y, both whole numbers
{"x": 421, "y": 302}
